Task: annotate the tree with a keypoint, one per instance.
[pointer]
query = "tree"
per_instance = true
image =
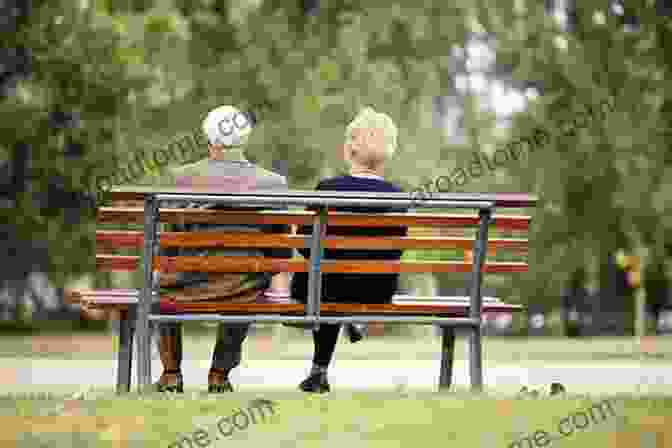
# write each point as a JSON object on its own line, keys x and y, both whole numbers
{"x": 602, "y": 180}
{"x": 71, "y": 72}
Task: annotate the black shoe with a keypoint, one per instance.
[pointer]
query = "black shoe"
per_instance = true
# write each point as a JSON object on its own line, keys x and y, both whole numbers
{"x": 557, "y": 388}
{"x": 356, "y": 332}
{"x": 315, "y": 383}
{"x": 177, "y": 386}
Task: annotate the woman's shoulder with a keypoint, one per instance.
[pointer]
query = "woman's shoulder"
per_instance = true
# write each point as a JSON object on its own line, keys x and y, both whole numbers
{"x": 336, "y": 180}
{"x": 345, "y": 181}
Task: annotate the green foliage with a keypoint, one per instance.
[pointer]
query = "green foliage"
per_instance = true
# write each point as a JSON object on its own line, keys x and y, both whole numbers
{"x": 142, "y": 73}
{"x": 601, "y": 185}
{"x": 80, "y": 65}
{"x": 312, "y": 74}
{"x": 126, "y": 6}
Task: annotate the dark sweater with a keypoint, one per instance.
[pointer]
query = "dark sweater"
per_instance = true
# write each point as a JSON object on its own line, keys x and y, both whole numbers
{"x": 362, "y": 288}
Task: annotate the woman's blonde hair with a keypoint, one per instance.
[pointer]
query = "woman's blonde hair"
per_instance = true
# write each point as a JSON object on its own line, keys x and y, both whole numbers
{"x": 372, "y": 137}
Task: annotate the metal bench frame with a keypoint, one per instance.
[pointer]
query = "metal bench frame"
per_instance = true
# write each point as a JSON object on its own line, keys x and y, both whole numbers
{"x": 322, "y": 201}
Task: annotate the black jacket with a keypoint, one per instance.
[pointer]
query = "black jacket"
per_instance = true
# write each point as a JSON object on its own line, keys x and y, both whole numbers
{"x": 361, "y": 288}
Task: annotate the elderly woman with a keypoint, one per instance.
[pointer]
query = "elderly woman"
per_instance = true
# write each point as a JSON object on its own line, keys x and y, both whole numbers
{"x": 370, "y": 139}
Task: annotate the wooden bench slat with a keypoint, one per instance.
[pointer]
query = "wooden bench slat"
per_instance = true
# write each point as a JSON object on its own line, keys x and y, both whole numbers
{"x": 457, "y": 307}
{"x": 261, "y": 264}
{"x": 181, "y": 216}
{"x": 117, "y": 262}
{"x": 298, "y": 309}
{"x": 338, "y": 308}
{"x": 114, "y": 301}
{"x": 111, "y": 238}
{"x": 110, "y": 294}
{"x": 116, "y": 292}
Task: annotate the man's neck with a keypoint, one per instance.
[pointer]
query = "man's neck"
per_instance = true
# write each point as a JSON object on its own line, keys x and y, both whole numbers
{"x": 358, "y": 171}
{"x": 234, "y": 154}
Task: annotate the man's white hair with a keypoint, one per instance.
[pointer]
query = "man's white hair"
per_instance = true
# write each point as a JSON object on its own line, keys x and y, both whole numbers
{"x": 227, "y": 126}
{"x": 368, "y": 119}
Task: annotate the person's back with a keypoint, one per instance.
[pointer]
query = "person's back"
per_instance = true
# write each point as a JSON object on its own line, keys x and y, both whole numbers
{"x": 230, "y": 173}
{"x": 226, "y": 170}
{"x": 369, "y": 288}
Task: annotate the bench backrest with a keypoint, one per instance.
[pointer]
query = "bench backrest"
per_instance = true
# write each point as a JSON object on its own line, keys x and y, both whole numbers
{"x": 425, "y": 231}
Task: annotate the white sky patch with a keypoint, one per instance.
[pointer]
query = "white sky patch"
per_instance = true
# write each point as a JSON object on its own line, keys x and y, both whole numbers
{"x": 461, "y": 83}
{"x": 481, "y": 57}
{"x": 506, "y": 101}
{"x": 478, "y": 83}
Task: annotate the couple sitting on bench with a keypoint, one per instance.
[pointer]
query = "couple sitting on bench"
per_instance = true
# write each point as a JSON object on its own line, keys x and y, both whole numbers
{"x": 369, "y": 140}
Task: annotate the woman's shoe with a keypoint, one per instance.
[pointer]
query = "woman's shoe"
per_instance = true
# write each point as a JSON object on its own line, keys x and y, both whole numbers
{"x": 170, "y": 381}
{"x": 218, "y": 381}
{"x": 315, "y": 383}
{"x": 557, "y": 389}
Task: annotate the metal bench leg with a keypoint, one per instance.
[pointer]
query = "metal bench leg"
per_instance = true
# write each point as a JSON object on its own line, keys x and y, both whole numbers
{"x": 476, "y": 302}
{"x": 475, "y": 359}
{"x": 447, "y": 356}
{"x": 315, "y": 273}
{"x": 125, "y": 355}
{"x": 145, "y": 300}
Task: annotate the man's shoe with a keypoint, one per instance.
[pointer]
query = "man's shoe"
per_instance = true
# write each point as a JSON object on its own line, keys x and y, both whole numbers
{"x": 220, "y": 388}
{"x": 316, "y": 383}
{"x": 218, "y": 382}
{"x": 356, "y": 332}
{"x": 170, "y": 381}
{"x": 170, "y": 351}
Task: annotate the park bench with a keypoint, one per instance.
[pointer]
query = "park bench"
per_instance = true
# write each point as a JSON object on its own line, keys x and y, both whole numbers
{"x": 132, "y": 306}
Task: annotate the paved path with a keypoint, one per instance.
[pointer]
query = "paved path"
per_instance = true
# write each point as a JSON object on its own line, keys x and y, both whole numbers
{"x": 23, "y": 375}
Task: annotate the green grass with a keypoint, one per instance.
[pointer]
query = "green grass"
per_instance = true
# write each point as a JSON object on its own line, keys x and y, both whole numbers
{"x": 289, "y": 344}
{"x": 339, "y": 419}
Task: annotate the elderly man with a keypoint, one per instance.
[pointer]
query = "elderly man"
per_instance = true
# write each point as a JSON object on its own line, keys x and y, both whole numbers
{"x": 370, "y": 140}
{"x": 226, "y": 169}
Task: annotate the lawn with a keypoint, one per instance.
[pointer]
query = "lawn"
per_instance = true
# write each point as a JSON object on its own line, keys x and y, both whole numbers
{"x": 339, "y": 419}
{"x": 370, "y": 419}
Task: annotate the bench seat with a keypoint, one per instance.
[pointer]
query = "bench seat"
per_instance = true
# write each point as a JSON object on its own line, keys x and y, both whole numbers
{"x": 453, "y": 306}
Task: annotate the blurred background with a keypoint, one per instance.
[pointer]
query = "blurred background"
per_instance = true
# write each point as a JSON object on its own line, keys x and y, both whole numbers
{"x": 87, "y": 85}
